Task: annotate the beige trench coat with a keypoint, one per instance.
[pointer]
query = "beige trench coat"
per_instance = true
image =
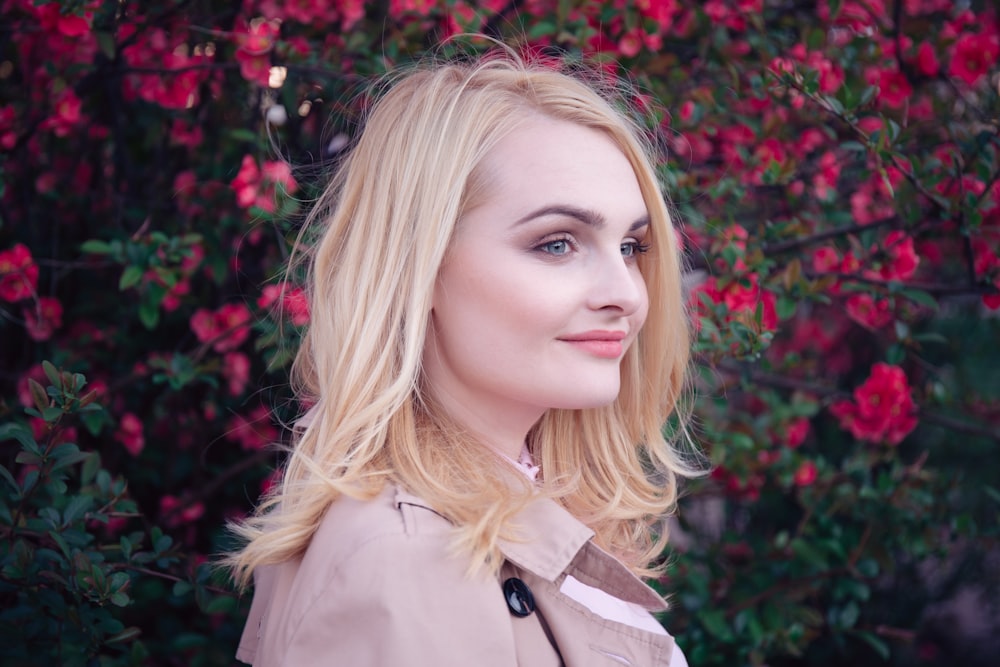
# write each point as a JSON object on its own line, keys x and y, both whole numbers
{"x": 378, "y": 587}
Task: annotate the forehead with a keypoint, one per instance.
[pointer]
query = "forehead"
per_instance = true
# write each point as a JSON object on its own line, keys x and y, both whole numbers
{"x": 544, "y": 160}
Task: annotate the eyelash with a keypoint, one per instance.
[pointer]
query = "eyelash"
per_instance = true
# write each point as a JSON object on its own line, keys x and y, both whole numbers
{"x": 638, "y": 248}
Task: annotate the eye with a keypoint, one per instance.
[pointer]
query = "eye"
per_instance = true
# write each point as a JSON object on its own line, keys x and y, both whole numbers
{"x": 555, "y": 247}
{"x": 631, "y": 249}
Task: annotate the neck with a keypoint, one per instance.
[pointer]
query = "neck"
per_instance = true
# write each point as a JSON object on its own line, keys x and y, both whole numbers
{"x": 504, "y": 429}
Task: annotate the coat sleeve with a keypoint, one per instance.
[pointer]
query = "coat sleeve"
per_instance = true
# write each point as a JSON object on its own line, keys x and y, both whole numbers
{"x": 403, "y": 600}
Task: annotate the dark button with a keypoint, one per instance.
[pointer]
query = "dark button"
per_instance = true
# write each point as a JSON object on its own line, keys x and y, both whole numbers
{"x": 519, "y": 597}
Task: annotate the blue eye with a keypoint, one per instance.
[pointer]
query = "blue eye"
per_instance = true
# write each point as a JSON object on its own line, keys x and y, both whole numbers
{"x": 632, "y": 248}
{"x": 557, "y": 247}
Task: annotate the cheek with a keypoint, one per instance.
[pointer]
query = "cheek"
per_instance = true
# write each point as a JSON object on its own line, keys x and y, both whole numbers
{"x": 639, "y": 318}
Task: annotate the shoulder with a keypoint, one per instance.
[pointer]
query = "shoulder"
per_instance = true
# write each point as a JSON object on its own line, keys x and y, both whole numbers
{"x": 387, "y": 544}
{"x": 393, "y": 518}
{"x": 383, "y": 566}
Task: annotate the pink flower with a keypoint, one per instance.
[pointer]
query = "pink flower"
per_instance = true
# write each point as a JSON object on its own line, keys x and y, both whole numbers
{"x": 43, "y": 318}
{"x": 226, "y": 328}
{"x": 18, "y": 274}
{"x": 882, "y": 410}
{"x": 253, "y": 431}
{"x": 68, "y": 25}
{"x": 894, "y": 88}
{"x": 256, "y": 42}
{"x": 170, "y": 507}
{"x": 8, "y": 137}
{"x": 67, "y": 114}
{"x": 826, "y": 259}
{"x": 927, "y": 61}
{"x": 796, "y": 431}
{"x": 291, "y": 302}
{"x": 901, "y": 259}
{"x": 806, "y": 474}
{"x": 256, "y": 186}
{"x": 972, "y": 57}
{"x": 825, "y": 180}
{"x": 869, "y": 312}
{"x": 236, "y": 371}
{"x": 129, "y": 434}
{"x": 742, "y": 298}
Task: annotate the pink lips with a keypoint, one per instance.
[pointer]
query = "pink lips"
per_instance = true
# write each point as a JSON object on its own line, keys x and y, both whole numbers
{"x": 604, "y": 344}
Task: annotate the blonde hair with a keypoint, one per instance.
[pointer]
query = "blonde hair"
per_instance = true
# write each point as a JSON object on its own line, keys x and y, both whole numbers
{"x": 382, "y": 228}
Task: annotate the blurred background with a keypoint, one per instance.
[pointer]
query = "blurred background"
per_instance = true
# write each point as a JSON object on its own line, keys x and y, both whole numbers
{"x": 833, "y": 169}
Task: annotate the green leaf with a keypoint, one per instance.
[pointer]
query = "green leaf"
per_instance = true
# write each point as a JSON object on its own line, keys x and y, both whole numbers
{"x": 182, "y": 588}
{"x": 715, "y": 623}
{"x": 162, "y": 543}
{"x": 76, "y": 508}
{"x": 240, "y": 134}
{"x": 52, "y": 373}
{"x": 221, "y": 604}
{"x": 58, "y": 539}
{"x": 19, "y": 432}
{"x": 920, "y": 297}
{"x": 95, "y": 247}
{"x": 149, "y": 313}
{"x": 28, "y": 458}
{"x": 125, "y": 635}
{"x": 879, "y": 646}
{"x": 5, "y": 474}
{"x": 130, "y": 277}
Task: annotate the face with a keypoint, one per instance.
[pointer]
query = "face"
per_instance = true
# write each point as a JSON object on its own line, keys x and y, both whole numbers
{"x": 540, "y": 294}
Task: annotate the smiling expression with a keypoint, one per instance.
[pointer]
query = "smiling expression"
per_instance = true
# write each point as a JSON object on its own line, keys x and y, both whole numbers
{"x": 540, "y": 294}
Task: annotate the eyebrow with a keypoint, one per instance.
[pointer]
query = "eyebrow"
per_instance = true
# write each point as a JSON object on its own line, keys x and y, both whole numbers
{"x": 586, "y": 216}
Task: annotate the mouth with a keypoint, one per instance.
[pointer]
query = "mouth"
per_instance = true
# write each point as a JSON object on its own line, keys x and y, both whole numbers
{"x": 603, "y": 344}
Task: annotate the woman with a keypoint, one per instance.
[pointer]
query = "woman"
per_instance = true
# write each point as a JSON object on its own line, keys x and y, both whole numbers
{"x": 497, "y": 338}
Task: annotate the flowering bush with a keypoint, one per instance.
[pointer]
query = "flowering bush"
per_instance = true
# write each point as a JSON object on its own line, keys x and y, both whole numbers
{"x": 833, "y": 165}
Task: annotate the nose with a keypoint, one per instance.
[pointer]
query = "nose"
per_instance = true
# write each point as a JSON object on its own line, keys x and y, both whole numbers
{"x": 616, "y": 284}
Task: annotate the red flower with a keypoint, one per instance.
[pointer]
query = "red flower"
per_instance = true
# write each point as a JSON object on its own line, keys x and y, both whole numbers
{"x": 43, "y": 318}
{"x": 256, "y": 187}
{"x": 901, "y": 258}
{"x": 661, "y": 11}
{"x": 129, "y": 434}
{"x": 8, "y": 137}
{"x": 826, "y": 259}
{"x": 806, "y": 474}
{"x": 742, "y": 298}
{"x": 226, "y": 328}
{"x": 927, "y": 62}
{"x": 972, "y": 57}
{"x": 894, "y": 89}
{"x": 882, "y": 409}
{"x": 254, "y": 51}
{"x": 869, "y": 312}
{"x": 67, "y": 114}
{"x": 18, "y": 274}
{"x": 288, "y": 301}
{"x": 69, "y": 25}
{"x": 796, "y": 432}
{"x": 254, "y": 431}
{"x": 169, "y": 508}
{"x": 236, "y": 371}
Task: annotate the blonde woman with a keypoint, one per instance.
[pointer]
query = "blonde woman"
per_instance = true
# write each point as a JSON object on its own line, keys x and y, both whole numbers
{"x": 497, "y": 339}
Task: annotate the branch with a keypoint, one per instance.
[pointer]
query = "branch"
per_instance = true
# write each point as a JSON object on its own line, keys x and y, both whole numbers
{"x": 794, "y": 244}
{"x": 169, "y": 577}
{"x": 207, "y": 490}
{"x": 939, "y": 289}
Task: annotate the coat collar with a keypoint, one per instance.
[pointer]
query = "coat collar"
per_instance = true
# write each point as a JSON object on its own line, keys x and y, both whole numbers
{"x": 551, "y": 542}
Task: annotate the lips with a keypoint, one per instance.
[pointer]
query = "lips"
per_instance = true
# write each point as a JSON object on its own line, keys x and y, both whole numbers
{"x": 603, "y": 344}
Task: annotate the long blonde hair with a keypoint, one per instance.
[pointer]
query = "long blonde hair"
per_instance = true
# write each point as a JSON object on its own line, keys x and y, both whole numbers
{"x": 379, "y": 234}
